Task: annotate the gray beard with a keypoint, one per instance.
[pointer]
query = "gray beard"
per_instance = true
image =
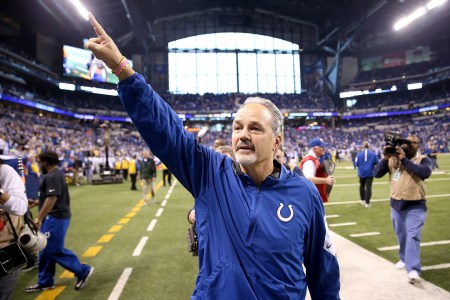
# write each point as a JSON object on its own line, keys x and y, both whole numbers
{"x": 246, "y": 160}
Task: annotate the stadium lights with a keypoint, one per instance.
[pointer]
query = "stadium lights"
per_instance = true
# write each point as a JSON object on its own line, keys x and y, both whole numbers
{"x": 66, "y": 86}
{"x": 414, "y": 86}
{"x": 350, "y": 94}
{"x": 407, "y": 20}
{"x": 81, "y": 9}
{"x": 435, "y": 3}
{"x": 99, "y": 90}
{"x": 418, "y": 13}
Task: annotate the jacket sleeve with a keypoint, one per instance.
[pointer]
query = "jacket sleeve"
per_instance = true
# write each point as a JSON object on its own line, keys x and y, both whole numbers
{"x": 381, "y": 169}
{"x": 12, "y": 184}
{"x": 164, "y": 133}
{"x": 423, "y": 170}
{"x": 322, "y": 268}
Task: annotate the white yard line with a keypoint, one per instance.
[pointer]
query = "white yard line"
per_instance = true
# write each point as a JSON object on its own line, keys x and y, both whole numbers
{"x": 383, "y": 200}
{"x": 445, "y": 242}
{"x": 120, "y": 285}
{"x": 152, "y": 225}
{"x": 159, "y": 212}
{"x": 436, "y": 267}
{"x": 138, "y": 250}
{"x": 364, "y": 234}
{"x": 342, "y": 224}
{"x": 332, "y": 216}
{"x": 380, "y": 183}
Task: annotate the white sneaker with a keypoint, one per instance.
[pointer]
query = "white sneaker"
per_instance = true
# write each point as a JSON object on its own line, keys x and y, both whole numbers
{"x": 362, "y": 202}
{"x": 145, "y": 203}
{"x": 413, "y": 277}
{"x": 400, "y": 265}
{"x": 367, "y": 205}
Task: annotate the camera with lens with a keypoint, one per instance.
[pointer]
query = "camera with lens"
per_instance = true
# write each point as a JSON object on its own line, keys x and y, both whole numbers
{"x": 192, "y": 240}
{"x": 32, "y": 241}
{"x": 393, "y": 139}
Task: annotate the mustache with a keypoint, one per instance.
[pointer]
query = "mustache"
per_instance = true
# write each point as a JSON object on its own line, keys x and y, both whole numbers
{"x": 245, "y": 145}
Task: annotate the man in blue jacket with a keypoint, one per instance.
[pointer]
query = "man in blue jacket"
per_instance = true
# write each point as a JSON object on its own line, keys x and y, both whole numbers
{"x": 258, "y": 222}
{"x": 365, "y": 162}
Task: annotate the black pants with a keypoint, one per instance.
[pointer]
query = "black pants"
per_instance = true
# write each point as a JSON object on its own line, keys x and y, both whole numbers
{"x": 365, "y": 188}
{"x": 125, "y": 174}
{"x": 166, "y": 173}
{"x": 133, "y": 182}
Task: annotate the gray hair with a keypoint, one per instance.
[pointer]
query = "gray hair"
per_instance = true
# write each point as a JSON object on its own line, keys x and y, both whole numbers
{"x": 277, "y": 117}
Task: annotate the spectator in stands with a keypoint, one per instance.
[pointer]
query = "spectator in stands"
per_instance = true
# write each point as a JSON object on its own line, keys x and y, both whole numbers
{"x": 147, "y": 171}
{"x": 313, "y": 170}
{"x": 13, "y": 201}
{"x": 247, "y": 250}
{"x": 53, "y": 220}
{"x": 365, "y": 162}
{"x": 407, "y": 170}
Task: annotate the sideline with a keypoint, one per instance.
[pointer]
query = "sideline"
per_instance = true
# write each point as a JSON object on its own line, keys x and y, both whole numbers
{"x": 365, "y": 275}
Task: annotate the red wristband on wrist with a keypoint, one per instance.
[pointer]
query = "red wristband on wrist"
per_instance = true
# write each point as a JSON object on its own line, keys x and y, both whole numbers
{"x": 120, "y": 67}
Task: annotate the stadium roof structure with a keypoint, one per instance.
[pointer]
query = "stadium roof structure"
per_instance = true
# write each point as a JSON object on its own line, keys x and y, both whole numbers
{"x": 367, "y": 24}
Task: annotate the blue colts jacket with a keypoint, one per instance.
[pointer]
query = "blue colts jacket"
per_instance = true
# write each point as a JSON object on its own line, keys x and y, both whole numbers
{"x": 253, "y": 239}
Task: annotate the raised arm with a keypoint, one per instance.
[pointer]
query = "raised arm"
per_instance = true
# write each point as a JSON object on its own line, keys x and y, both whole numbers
{"x": 158, "y": 124}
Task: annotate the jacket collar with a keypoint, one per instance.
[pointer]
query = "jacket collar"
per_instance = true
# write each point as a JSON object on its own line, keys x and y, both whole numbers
{"x": 276, "y": 173}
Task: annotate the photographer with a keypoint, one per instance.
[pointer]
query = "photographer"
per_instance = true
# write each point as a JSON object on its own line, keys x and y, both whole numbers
{"x": 408, "y": 170}
{"x": 13, "y": 200}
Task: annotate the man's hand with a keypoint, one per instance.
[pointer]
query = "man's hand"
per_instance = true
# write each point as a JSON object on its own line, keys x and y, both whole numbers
{"x": 191, "y": 216}
{"x": 385, "y": 156}
{"x": 400, "y": 152}
{"x": 330, "y": 180}
{"x": 32, "y": 203}
{"x": 103, "y": 46}
{"x": 38, "y": 223}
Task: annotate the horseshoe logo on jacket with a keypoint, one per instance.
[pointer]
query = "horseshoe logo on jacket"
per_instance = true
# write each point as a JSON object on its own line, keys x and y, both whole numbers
{"x": 283, "y": 218}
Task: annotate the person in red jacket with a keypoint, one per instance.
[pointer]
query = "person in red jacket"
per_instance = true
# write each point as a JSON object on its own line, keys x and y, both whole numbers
{"x": 313, "y": 170}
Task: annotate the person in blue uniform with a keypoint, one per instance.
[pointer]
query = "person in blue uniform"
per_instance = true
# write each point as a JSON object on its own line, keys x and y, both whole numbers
{"x": 258, "y": 223}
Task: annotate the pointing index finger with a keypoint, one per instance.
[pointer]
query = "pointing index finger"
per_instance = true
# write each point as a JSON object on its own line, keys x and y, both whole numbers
{"x": 97, "y": 27}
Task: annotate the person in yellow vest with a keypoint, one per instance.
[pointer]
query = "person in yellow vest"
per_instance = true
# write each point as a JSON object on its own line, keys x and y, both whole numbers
{"x": 125, "y": 168}
{"x": 117, "y": 166}
{"x": 132, "y": 170}
{"x": 166, "y": 174}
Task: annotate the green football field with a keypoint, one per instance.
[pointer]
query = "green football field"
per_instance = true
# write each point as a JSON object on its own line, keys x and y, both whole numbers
{"x": 140, "y": 252}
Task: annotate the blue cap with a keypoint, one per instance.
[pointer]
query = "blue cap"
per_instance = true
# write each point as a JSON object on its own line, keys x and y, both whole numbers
{"x": 317, "y": 142}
